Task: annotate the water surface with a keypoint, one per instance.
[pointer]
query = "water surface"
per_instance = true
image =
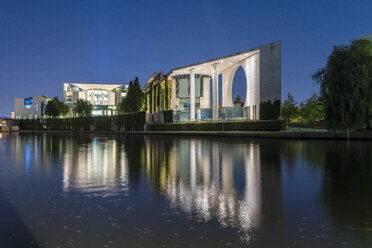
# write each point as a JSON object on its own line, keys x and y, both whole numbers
{"x": 154, "y": 191}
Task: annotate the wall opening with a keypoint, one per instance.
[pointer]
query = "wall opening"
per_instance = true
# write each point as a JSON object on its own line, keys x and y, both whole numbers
{"x": 239, "y": 85}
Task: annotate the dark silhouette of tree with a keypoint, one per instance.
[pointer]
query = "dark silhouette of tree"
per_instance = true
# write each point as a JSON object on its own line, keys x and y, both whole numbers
{"x": 346, "y": 85}
{"x": 134, "y": 100}
{"x": 83, "y": 108}
{"x": 56, "y": 108}
{"x": 238, "y": 100}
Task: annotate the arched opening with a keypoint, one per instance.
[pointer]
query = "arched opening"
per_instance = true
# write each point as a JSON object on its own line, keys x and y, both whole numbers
{"x": 239, "y": 85}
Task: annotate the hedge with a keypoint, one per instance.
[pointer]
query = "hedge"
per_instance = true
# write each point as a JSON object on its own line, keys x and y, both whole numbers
{"x": 30, "y": 125}
{"x": 126, "y": 122}
{"x": 247, "y": 125}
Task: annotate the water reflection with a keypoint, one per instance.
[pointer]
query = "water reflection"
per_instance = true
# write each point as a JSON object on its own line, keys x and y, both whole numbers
{"x": 304, "y": 193}
{"x": 99, "y": 167}
{"x": 200, "y": 177}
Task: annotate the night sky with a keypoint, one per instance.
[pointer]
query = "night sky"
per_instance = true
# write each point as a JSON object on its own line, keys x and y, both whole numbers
{"x": 46, "y": 43}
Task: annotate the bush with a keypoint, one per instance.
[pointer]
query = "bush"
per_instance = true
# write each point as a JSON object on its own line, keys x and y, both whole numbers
{"x": 127, "y": 122}
{"x": 270, "y": 111}
{"x": 168, "y": 116}
{"x": 261, "y": 125}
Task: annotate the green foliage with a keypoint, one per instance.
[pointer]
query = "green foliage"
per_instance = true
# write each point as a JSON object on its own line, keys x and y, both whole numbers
{"x": 346, "y": 85}
{"x": 221, "y": 126}
{"x": 127, "y": 122}
{"x": 144, "y": 104}
{"x": 83, "y": 108}
{"x": 56, "y": 108}
{"x": 238, "y": 100}
{"x": 312, "y": 110}
{"x": 289, "y": 109}
{"x": 270, "y": 111}
{"x": 134, "y": 100}
{"x": 64, "y": 109}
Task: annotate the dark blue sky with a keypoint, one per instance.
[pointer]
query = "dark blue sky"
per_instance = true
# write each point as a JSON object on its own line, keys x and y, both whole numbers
{"x": 46, "y": 43}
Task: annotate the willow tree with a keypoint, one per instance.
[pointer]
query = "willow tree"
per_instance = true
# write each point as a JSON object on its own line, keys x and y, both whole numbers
{"x": 346, "y": 85}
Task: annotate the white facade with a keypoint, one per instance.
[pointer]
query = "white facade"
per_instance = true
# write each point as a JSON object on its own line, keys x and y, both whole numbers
{"x": 30, "y": 107}
{"x": 103, "y": 97}
{"x": 262, "y": 67}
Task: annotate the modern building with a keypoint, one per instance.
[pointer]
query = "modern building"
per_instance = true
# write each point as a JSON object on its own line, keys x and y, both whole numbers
{"x": 30, "y": 107}
{"x": 192, "y": 91}
{"x": 104, "y": 97}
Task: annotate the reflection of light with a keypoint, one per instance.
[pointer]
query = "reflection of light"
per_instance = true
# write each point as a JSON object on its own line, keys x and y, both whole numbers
{"x": 95, "y": 168}
{"x": 27, "y": 157}
{"x": 36, "y": 153}
{"x": 207, "y": 189}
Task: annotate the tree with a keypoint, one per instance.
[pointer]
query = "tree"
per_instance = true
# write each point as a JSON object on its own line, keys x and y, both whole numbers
{"x": 346, "y": 85}
{"x": 52, "y": 108}
{"x": 55, "y": 108}
{"x": 63, "y": 109}
{"x": 134, "y": 100}
{"x": 83, "y": 108}
{"x": 238, "y": 100}
{"x": 289, "y": 109}
{"x": 312, "y": 110}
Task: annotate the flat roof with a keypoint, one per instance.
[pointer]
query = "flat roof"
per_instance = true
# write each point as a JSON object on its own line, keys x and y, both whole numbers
{"x": 98, "y": 86}
{"x": 224, "y": 62}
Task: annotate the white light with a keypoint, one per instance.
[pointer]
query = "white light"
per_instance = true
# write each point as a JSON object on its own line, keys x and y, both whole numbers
{"x": 230, "y": 63}
{"x": 205, "y": 71}
{"x": 221, "y": 61}
{"x": 205, "y": 64}
{"x": 241, "y": 57}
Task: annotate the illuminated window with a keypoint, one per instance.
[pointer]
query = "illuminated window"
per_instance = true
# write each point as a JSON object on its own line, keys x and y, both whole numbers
{"x": 28, "y": 102}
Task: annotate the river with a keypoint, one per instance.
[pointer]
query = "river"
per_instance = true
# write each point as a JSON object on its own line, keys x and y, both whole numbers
{"x": 71, "y": 190}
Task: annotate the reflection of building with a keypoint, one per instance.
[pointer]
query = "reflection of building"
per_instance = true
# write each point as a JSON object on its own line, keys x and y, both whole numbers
{"x": 95, "y": 167}
{"x": 192, "y": 91}
{"x": 103, "y": 97}
{"x": 198, "y": 177}
{"x": 30, "y": 107}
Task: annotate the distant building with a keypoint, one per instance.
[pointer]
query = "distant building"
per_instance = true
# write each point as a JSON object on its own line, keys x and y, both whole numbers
{"x": 105, "y": 98}
{"x": 30, "y": 107}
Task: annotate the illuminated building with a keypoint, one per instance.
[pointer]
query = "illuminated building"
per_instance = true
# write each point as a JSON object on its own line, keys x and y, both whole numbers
{"x": 192, "y": 91}
{"x": 30, "y": 107}
{"x": 103, "y": 97}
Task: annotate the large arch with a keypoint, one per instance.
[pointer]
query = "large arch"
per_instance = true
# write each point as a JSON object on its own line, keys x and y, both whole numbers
{"x": 251, "y": 68}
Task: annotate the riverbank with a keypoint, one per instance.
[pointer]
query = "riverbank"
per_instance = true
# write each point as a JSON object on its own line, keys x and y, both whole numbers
{"x": 242, "y": 134}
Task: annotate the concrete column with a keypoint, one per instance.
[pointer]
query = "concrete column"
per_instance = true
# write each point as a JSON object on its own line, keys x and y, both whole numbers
{"x": 215, "y": 92}
{"x": 192, "y": 94}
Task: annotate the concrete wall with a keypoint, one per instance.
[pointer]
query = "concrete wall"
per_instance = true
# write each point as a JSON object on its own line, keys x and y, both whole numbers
{"x": 34, "y": 112}
{"x": 270, "y": 72}
{"x": 251, "y": 67}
